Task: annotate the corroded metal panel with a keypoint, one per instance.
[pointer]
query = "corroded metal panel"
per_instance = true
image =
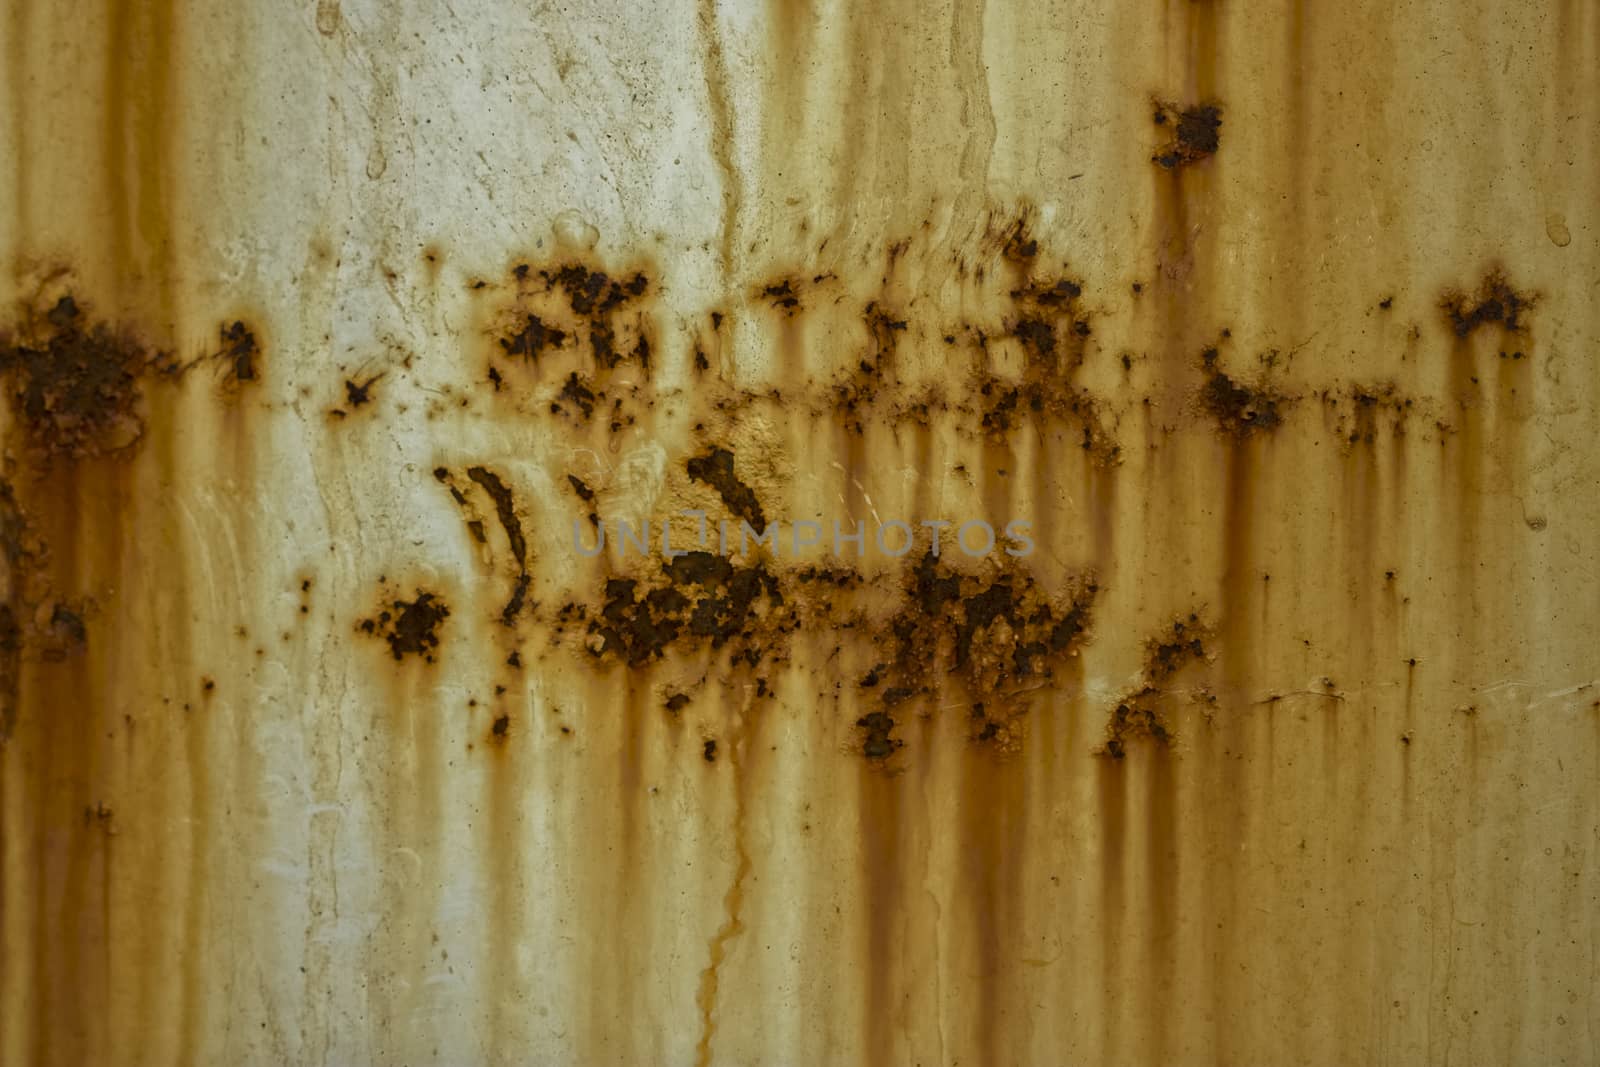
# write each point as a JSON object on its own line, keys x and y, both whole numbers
{"x": 336, "y": 334}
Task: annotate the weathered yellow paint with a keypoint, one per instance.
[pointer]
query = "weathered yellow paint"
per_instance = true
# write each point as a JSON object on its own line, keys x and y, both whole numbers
{"x": 321, "y": 745}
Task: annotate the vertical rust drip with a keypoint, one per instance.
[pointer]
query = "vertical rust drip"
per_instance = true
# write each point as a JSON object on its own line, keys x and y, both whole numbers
{"x": 741, "y": 754}
{"x": 1112, "y": 785}
{"x": 20, "y": 28}
{"x": 63, "y": 716}
{"x": 507, "y": 892}
{"x": 1161, "y": 888}
{"x": 993, "y": 823}
{"x": 879, "y": 801}
{"x": 137, "y": 137}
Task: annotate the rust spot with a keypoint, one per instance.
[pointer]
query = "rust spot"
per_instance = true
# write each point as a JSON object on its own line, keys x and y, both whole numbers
{"x": 239, "y": 352}
{"x": 410, "y": 627}
{"x": 358, "y": 395}
{"x": 77, "y": 386}
{"x": 1496, "y": 303}
{"x": 1239, "y": 410}
{"x": 709, "y": 750}
{"x": 1197, "y": 133}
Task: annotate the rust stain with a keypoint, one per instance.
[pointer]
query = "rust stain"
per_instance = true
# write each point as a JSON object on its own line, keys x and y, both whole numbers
{"x": 934, "y": 264}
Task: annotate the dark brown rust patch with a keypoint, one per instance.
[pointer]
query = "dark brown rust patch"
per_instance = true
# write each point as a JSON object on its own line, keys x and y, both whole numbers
{"x": 877, "y": 740}
{"x": 506, "y": 509}
{"x": 411, "y": 627}
{"x": 1496, "y": 303}
{"x": 240, "y": 352}
{"x": 360, "y": 395}
{"x": 699, "y": 597}
{"x": 715, "y": 469}
{"x": 1239, "y": 410}
{"x": 1196, "y": 134}
{"x": 76, "y": 386}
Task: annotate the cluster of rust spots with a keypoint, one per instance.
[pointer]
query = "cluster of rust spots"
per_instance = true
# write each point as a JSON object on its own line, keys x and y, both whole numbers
{"x": 1020, "y": 245}
{"x": 715, "y": 469}
{"x": 1138, "y": 715}
{"x": 1239, "y": 410}
{"x": 1360, "y": 406}
{"x": 411, "y": 627}
{"x": 859, "y": 388}
{"x": 1048, "y": 325}
{"x": 1006, "y": 404}
{"x": 595, "y": 298}
{"x": 1495, "y": 303}
{"x": 532, "y": 339}
{"x": 1196, "y": 134}
{"x": 582, "y": 323}
{"x": 996, "y": 635}
{"x": 1168, "y": 653}
{"x": 75, "y": 385}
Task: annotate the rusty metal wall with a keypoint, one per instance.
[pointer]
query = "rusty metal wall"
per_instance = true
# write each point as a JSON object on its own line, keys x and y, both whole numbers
{"x": 324, "y": 321}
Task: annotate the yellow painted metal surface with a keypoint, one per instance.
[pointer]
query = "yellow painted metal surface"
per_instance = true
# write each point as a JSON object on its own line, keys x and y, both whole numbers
{"x": 324, "y": 325}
